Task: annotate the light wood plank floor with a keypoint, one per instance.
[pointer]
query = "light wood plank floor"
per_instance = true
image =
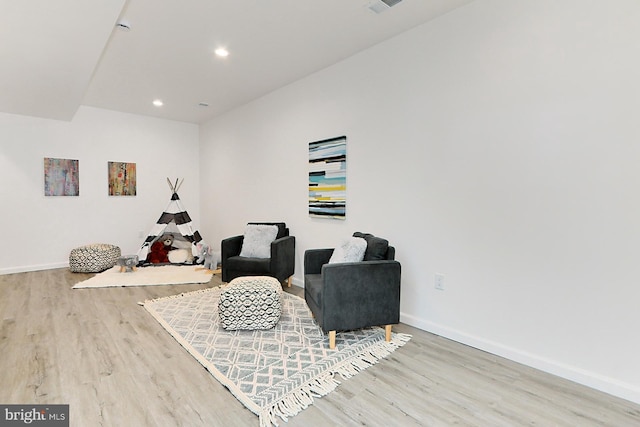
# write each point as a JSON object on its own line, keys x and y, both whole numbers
{"x": 104, "y": 355}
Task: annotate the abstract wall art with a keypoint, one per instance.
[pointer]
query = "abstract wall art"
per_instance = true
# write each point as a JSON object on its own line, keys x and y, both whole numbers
{"x": 122, "y": 179}
{"x": 328, "y": 178}
{"x": 61, "y": 177}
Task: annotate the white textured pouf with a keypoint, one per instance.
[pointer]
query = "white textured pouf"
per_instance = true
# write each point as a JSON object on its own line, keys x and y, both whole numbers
{"x": 249, "y": 303}
{"x": 93, "y": 258}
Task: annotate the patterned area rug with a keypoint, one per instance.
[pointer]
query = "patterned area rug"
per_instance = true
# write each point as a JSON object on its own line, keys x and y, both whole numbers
{"x": 147, "y": 276}
{"x": 276, "y": 372}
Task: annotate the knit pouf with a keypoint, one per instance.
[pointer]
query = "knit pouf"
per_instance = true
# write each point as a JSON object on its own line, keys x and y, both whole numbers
{"x": 250, "y": 303}
{"x": 93, "y": 258}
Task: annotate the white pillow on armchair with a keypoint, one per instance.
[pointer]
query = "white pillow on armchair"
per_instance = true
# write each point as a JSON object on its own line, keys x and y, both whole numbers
{"x": 257, "y": 240}
{"x": 351, "y": 250}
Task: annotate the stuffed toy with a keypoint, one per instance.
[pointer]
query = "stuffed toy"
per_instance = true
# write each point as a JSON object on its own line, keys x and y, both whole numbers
{"x": 179, "y": 256}
{"x": 181, "y": 253}
{"x": 167, "y": 241}
{"x": 206, "y": 256}
{"x": 158, "y": 253}
{"x": 160, "y": 250}
{"x": 127, "y": 263}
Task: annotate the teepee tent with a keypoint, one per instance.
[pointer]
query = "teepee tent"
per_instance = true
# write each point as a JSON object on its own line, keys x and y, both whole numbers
{"x": 174, "y": 220}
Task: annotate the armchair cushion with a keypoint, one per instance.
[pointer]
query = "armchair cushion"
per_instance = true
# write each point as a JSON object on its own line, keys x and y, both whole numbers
{"x": 257, "y": 240}
{"x": 351, "y": 250}
{"x": 376, "y": 246}
{"x": 249, "y": 266}
{"x": 313, "y": 286}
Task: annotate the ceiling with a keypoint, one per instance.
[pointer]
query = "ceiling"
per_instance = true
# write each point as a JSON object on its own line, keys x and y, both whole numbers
{"x": 58, "y": 55}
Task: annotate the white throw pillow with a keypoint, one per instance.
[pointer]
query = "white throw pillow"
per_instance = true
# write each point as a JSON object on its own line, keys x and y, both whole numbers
{"x": 351, "y": 250}
{"x": 178, "y": 256}
{"x": 257, "y": 240}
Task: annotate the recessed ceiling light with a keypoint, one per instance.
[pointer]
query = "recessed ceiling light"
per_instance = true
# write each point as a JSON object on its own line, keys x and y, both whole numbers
{"x": 158, "y": 102}
{"x": 222, "y": 52}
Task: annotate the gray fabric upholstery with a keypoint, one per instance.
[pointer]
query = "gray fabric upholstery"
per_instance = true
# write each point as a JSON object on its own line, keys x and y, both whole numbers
{"x": 354, "y": 295}
{"x": 376, "y": 246}
{"x": 280, "y": 265}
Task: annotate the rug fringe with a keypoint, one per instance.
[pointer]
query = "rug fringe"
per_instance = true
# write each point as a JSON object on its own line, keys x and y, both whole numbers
{"x": 301, "y": 398}
{"x": 180, "y": 295}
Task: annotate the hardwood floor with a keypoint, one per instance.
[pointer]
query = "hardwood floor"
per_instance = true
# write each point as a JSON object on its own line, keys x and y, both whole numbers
{"x": 104, "y": 355}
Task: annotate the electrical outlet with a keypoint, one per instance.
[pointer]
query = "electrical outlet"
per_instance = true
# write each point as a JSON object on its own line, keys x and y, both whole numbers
{"x": 439, "y": 282}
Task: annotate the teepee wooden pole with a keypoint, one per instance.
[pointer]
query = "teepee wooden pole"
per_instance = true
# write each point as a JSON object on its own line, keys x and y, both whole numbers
{"x": 175, "y": 187}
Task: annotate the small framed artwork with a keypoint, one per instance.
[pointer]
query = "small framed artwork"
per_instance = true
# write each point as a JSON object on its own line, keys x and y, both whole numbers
{"x": 61, "y": 177}
{"x": 122, "y": 179}
{"x": 328, "y": 178}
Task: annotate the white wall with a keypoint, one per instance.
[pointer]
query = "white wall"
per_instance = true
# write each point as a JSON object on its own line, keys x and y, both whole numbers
{"x": 40, "y": 231}
{"x": 497, "y": 145}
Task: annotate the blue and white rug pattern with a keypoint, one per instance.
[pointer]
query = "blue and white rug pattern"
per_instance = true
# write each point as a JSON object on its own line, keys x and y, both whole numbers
{"x": 276, "y": 372}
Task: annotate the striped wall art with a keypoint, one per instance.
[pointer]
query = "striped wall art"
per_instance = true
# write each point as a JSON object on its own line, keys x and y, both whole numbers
{"x": 328, "y": 178}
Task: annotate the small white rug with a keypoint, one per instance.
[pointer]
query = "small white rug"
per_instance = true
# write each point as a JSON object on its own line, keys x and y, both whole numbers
{"x": 148, "y": 276}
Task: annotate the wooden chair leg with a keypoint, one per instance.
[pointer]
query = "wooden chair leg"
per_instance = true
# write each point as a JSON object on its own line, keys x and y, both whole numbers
{"x": 289, "y": 281}
{"x": 332, "y": 339}
{"x": 387, "y": 333}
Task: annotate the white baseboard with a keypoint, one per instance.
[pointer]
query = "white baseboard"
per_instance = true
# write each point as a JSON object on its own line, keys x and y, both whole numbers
{"x": 590, "y": 379}
{"x": 27, "y": 268}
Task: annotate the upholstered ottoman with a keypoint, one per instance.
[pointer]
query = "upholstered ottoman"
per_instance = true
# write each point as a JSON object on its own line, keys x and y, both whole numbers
{"x": 250, "y": 303}
{"x": 93, "y": 258}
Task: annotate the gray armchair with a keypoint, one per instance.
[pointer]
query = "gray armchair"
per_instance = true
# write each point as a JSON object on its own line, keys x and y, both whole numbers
{"x": 280, "y": 264}
{"x": 353, "y": 295}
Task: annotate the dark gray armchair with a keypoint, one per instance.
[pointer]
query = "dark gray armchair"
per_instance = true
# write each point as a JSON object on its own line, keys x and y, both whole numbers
{"x": 353, "y": 295}
{"x": 280, "y": 264}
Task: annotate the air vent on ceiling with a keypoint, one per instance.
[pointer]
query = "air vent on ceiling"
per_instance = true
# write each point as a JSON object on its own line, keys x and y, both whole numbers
{"x": 379, "y": 6}
{"x": 123, "y": 25}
